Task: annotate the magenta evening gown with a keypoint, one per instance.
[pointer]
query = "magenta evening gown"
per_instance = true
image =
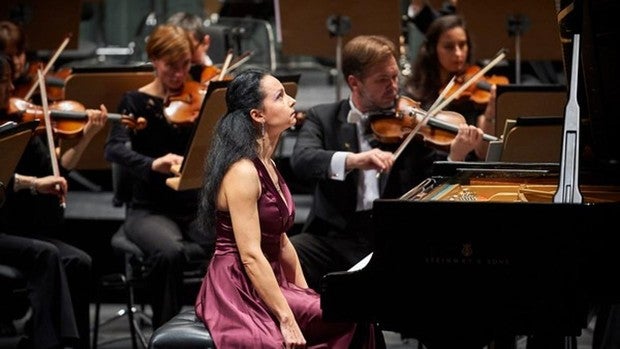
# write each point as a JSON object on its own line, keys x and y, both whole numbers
{"x": 230, "y": 306}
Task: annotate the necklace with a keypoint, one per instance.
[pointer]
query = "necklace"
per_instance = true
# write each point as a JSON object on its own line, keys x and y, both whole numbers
{"x": 271, "y": 170}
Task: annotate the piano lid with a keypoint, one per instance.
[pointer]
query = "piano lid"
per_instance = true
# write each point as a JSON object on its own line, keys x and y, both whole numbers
{"x": 598, "y": 76}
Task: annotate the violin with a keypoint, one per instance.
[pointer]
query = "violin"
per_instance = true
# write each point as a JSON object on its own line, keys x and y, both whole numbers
{"x": 69, "y": 116}
{"x": 393, "y": 126}
{"x": 183, "y": 107}
{"x": 54, "y": 82}
{"x": 208, "y": 73}
{"x": 212, "y": 72}
{"x": 479, "y": 92}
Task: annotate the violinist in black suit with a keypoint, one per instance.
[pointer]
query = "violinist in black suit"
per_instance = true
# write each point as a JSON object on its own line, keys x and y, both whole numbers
{"x": 349, "y": 170}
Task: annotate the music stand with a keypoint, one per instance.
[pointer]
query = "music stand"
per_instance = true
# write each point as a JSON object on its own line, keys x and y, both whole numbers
{"x": 532, "y": 24}
{"x": 515, "y": 101}
{"x": 93, "y": 89}
{"x": 317, "y": 17}
{"x": 533, "y": 139}
{"x": 13, "y": 141}
{"x": 190, "y": 173}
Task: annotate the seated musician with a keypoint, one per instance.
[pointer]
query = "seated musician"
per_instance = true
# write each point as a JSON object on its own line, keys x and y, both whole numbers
{"x": 25, "y": 68}
{"x": 333, "y": 150}
{"x": 32, "y": 219}
{"x": 159, "y": 218}
{"x": 15, "y": 47}
{"x": 254, "y": 294}
{"x": 446, "y": 52}
{"x": 200, "y": 42}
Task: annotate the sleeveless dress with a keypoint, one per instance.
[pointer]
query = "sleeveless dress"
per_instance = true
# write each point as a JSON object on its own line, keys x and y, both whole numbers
{"x": 229, "y": 305}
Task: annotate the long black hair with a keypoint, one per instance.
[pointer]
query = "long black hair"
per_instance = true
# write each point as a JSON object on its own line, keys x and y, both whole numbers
{"x": 425, "y": 84}
{"x": 235, "y": 137}
{"x": 5, "y": 67}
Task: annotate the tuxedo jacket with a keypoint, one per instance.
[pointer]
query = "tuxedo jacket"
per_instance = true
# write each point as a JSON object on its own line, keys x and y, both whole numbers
{"x": 326, "y": 131}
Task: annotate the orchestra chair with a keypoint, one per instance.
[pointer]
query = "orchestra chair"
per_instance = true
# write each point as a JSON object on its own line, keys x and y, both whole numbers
{"x": 185, "y": 330}
{"x": 135, "y": 268}
{"x": 126, "y": 281}
{"x": 220, "y": 42}
{"x": 13, "y": 293}
{"x": 252, "y": 35}
{"x": 14, "y": 303}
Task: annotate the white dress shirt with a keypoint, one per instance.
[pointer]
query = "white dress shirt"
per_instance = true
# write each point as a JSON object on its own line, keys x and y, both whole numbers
{"x": 368, "y": 185}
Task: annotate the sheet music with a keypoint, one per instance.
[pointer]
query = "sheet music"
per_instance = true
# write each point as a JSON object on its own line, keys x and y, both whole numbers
{"x": 361, "y": 264}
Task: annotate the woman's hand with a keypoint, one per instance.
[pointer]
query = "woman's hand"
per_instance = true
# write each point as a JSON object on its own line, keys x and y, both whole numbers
{"x": 96, "y": 120}
{"x": 164, "y": 164}
{"x": 293, "y": 338}
{"x": 56, "y": 185}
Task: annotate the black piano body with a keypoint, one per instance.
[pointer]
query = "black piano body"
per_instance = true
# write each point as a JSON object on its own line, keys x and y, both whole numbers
{"x": 450, "y": 271}
{"x": 482, "y": 250}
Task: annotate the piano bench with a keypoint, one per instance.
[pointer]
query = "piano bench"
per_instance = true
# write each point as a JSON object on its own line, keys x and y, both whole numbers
{"x": 184, "y": 330}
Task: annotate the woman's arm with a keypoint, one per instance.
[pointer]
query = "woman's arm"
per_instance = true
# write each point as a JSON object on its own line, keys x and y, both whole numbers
{"x": 290, "y": 263}
{"x": 239, "y": 194}
{"x": 96, "y": 121}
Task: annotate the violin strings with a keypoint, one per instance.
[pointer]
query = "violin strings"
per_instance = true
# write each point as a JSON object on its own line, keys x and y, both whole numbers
{"x": 431, "y": 112}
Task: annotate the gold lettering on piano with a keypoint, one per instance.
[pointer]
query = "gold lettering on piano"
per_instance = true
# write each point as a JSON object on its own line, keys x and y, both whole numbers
{"x": 466, "y": 257}
{"x": 447, "y": 260}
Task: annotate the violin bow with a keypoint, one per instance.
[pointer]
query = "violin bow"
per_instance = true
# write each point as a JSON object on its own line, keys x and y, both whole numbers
{"x": 49, "y": 64}
{"x": 226, "y": 65}
{"x": 498, "y": 57}
{"x": 441, "y": 102}
{"x": 244, "y": 57}
{"x": 50, "y": 135}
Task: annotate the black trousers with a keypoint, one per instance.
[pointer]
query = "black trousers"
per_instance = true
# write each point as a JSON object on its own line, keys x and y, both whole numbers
{"x": 160, "y": 237}
{"x": 55, "y": 274}
{"x": 323, "y": 248}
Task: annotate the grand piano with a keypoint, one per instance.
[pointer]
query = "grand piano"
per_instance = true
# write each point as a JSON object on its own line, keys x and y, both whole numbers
{"x": 485, "y": 251}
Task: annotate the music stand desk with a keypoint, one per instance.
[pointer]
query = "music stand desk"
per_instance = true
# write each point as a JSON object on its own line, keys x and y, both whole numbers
{"x": 13, "y": 141}
{"x": 189, "y": 174}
